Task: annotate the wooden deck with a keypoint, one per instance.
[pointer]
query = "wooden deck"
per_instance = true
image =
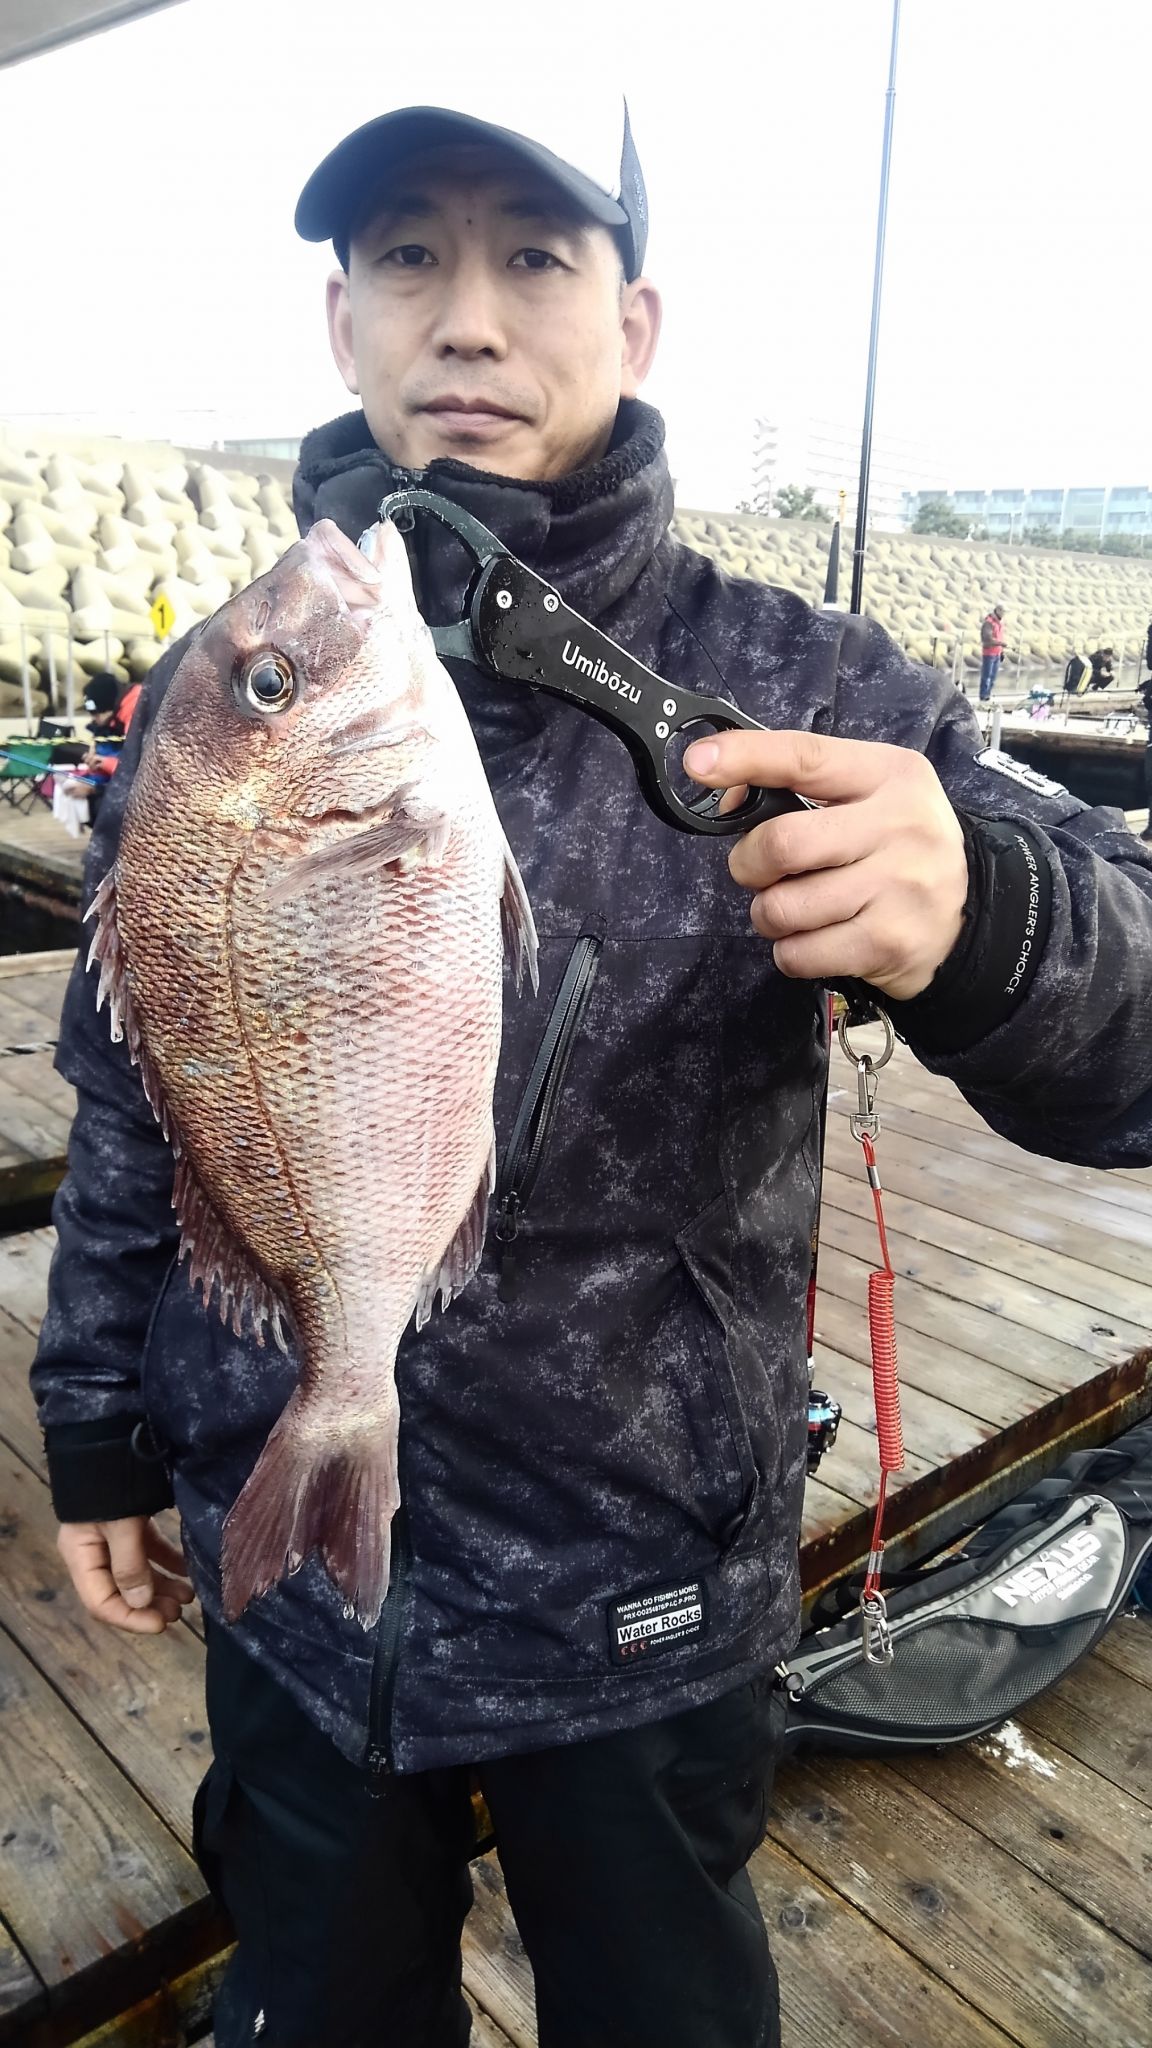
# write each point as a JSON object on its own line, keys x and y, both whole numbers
{"x": 996, "y": 1895}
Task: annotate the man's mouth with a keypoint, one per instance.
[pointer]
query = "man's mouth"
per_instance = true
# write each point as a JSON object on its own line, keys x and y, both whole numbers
{"x": 469, "y": 416}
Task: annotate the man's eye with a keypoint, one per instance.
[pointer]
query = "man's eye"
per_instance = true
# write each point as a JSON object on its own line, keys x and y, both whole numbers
{"x": 410, "y": 256}
{"x": 537, "y": 259}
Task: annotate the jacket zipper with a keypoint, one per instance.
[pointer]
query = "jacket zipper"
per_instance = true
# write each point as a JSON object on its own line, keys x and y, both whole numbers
{"x": 378, "y": 1758}
{"x": 536, "y": 1115}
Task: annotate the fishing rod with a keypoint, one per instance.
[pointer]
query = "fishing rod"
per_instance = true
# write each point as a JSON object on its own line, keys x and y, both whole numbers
{"x": 823, "y": 1412}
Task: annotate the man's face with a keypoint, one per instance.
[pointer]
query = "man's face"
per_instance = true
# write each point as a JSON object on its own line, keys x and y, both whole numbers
{"x": 482, "y": 319}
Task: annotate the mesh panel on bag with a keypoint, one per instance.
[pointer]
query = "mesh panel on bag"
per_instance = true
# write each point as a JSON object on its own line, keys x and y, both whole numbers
{"x": 953, "y": 1672}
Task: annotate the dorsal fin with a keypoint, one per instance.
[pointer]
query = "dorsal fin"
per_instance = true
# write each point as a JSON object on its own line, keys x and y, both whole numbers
{"x": 217, "y": 1261}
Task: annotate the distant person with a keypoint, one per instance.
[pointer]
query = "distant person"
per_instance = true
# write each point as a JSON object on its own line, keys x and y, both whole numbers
{"x": 102, "y": 703}
{"x": 109, "y": 717}
{"x": 1148, "y": 647}
{"x": 991, "y": 650}
{"x": 1101, "y": 666}
{"x": 1145, "y": 695}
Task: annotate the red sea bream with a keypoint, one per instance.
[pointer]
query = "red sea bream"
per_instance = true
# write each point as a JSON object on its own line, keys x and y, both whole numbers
{"x": 302, "y": 941}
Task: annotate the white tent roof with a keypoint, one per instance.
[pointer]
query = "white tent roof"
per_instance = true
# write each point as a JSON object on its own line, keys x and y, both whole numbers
{"x": 29, "y": 26}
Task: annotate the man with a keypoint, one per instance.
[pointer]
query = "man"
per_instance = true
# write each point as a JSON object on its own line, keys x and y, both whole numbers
{"x": 108, "y": 724}
{"x": 1101, "y": 665}
{"x": 991, "y": 650}
{"x": 603, "y": 1442}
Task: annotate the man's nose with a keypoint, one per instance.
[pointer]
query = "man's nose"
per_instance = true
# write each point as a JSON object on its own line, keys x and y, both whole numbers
{"x": 468, "y": 322}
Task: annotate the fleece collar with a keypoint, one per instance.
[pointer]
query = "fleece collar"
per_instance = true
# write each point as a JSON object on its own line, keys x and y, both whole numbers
{"x": 592, "y": 533}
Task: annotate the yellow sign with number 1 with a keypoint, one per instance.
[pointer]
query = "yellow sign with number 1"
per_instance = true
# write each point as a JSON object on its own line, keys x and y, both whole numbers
{"x": 163, "y": 616}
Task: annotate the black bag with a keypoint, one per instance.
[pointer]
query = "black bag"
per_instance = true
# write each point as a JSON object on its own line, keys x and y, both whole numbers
{"x": 981, "y": 1631}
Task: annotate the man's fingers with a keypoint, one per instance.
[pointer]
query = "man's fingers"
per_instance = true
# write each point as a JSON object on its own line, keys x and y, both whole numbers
{"x": 837, "y": 951}
{"x": 812, "y": 903}
{"x": 128, "y": 1559}
{"x": 829, "y": 770}
{"x": 85, "y": 1552}
{"x": 799, "y": 842}
{"x": 171, "y": 1560}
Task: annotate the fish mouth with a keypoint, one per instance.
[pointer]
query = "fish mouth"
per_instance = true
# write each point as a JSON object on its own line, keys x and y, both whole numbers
{"x": 358, "y": 582}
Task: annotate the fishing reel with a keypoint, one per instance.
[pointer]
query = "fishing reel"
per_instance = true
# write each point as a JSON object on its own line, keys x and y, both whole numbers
{"x": 823, "y": 1422}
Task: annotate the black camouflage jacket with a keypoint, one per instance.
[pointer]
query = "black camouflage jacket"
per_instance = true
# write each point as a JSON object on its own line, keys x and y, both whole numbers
{"x": 603, "y": 1445}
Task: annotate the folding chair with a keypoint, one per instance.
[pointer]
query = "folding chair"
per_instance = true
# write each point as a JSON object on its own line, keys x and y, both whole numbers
{"x": 24, "y": 765}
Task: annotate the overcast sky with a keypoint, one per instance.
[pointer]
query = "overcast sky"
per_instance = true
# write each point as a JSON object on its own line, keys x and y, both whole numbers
{"x": 153, "y": 279}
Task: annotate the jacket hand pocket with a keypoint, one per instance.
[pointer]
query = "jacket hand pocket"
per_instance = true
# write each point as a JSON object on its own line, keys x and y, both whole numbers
{"x": 702, "y": 1247}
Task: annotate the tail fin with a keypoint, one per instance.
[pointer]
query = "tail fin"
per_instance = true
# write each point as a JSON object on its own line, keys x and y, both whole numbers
{"x": 303, "y": 1496}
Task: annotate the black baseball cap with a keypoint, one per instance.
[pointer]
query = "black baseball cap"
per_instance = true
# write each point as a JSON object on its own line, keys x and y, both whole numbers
{"x": 587, "y": 150}
{"x": 102, "y": 693}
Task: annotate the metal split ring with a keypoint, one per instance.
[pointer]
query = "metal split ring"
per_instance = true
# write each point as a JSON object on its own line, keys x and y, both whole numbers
{"x": 875, "y": 1061}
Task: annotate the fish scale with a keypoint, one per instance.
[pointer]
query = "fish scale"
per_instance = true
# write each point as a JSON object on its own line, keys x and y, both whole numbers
{"x": 303, "y": 942}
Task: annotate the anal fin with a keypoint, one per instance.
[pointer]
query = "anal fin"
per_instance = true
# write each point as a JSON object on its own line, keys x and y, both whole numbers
{"x": 218, "y": 1262}
{"x": 451, "y": 1272}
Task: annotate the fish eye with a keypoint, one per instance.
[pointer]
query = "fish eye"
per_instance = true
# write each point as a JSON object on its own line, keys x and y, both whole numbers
{"x": 269, "y": 683}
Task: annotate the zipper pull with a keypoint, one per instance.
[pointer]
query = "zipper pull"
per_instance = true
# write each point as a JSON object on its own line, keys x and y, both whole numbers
{"x": 378, "y": 1768}
{"x": 507, "y": 1231}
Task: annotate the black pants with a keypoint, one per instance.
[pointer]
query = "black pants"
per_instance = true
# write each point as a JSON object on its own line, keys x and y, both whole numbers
{"x": 623, "y": 1859}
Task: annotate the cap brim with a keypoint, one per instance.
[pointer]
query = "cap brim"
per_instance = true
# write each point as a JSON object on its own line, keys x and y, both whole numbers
{"x": 355, "y": 174}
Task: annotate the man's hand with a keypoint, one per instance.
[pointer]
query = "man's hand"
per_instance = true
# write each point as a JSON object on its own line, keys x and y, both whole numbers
{"x": 870, "y": 886}
{"x": 126, "y": 1573}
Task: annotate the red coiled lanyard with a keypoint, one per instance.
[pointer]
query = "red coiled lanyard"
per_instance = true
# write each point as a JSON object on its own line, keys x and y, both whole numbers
{"x": 865, "y": 1126}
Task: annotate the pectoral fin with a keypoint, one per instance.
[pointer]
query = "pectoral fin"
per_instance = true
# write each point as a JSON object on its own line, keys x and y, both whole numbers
{"x": 414, "y": 832}
{"x": 517, "y": 924}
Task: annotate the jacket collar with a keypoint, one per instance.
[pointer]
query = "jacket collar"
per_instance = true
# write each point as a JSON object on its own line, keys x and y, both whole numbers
{"x": 592, "y": 533}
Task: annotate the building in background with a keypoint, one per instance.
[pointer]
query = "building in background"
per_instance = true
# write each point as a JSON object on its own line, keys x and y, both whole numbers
{"x": 824, "y": 456}
{"x": 1093, "y": 510}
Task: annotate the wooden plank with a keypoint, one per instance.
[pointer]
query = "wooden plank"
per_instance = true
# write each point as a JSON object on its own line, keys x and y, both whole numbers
{"x": 971, "y": 1327}
{"x": 1102, "y": 1334}
{"x": 22, "y": 1994}
{"x": 978, "y": 1141}
{"x": 19, "y": 1428}
{"x": 840, "y": 1979}
{"x": 1063, "y": 1822}
{"x": 926, "y": 1174}
{"x": 941, "y": 1370}
{"x": 935, "y": 1432}
{"x": 843, "y": 1980}
{"x": 142, "y": 1697}
{"x": 1102, "y": 1717}
{"x": 24, "y": 1263}
{"x": 29, "y": 1129}
{"x": 496, "y": 1970}
{"x": 825, "y": 1509}
{"x": 87, "y": 1871}
{"x": 1128, "y": 1647}
{"x": 1007, "y": 1256}
{"x": 1005, "y": 1941}
{"x": 1079, "y": 1194}
{"x": 917, "y": 1089}
{"x": 178, "y": 2012}
{"x": 56, "y": 962}
{"x": 41, "y": 992}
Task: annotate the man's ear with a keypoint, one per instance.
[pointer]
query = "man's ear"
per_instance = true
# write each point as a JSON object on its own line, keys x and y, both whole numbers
{"x": 641, "y": 312}
{"x": 340, "y": 328}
